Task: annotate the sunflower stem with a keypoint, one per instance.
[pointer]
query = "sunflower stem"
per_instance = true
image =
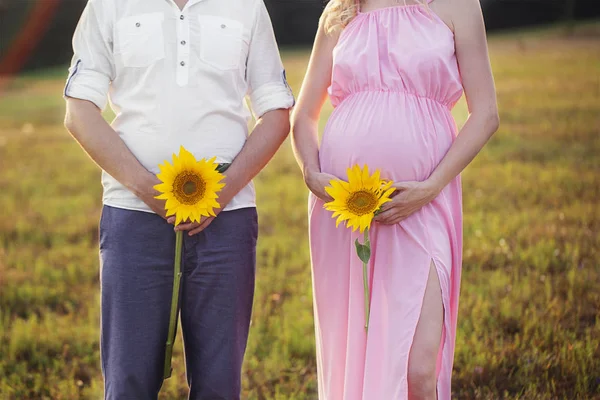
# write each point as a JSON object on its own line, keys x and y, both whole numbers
{"x": 174, "y": 306}
{"x": 366, "y": 283}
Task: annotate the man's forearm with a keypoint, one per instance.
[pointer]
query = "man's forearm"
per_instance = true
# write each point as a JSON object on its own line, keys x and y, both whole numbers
{"x": 266, "y": 138}
{"x": 105, "y": 147}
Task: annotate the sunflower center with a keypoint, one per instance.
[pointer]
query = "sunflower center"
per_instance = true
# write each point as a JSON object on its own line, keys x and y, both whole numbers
{"x": 189, "y": 188}
{"x": 362, "y": 202}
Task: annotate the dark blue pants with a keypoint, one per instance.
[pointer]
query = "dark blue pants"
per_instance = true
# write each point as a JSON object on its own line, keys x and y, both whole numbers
{"x": 137, "y": 250}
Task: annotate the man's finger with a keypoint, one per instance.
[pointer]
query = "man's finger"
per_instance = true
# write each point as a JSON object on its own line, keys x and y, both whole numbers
{"x": 202, "y": 226}
{"x": 186, "y": 226}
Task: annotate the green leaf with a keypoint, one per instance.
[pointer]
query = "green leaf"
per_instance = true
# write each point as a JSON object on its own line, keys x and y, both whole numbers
{"x": 363, "y": 251}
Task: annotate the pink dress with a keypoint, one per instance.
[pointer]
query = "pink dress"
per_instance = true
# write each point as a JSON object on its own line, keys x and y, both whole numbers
{"x": 395, "y": 79}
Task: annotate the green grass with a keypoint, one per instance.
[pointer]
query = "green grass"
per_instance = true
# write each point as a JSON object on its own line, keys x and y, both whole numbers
{"x": 529, "y": 325}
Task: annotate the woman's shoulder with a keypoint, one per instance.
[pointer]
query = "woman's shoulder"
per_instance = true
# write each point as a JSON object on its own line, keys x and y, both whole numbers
{"x": 447, "y": 10}
{"x": 327, "y": 26}
{"x": 458, "y": 12}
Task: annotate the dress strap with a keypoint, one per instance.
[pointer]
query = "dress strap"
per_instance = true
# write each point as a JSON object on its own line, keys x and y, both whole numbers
{"x": 357, "y": 4}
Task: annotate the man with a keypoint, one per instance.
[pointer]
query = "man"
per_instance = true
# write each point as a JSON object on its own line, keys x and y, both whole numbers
{"x": 176, "y": 73}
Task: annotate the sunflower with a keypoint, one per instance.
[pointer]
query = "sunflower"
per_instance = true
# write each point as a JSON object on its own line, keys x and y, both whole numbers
{"x": 190, "y": 187}
{"x": 357, "y": 200}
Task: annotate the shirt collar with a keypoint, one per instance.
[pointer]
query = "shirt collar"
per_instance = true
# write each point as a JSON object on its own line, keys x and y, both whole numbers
{"x": 188, "y": 5}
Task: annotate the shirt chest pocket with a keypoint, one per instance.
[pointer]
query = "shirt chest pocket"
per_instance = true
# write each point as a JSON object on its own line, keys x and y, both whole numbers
{"x": 140, "y": 39}
{"x": 221, "y": 42}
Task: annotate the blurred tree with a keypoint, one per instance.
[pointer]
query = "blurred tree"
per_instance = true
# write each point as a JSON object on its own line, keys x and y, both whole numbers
{"x": 295, "y": 21}
{"x": 570, "y": 15}
{"x": 37, "y": 32}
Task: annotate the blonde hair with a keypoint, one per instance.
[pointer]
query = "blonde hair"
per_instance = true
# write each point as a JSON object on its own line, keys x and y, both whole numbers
{"x": 339, "y": 13}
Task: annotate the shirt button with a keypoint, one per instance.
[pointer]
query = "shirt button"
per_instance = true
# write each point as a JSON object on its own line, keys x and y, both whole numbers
{"x": 183, "y": 42}
{"x": 223, "y": 26}
{"x": 182, "y": 63}
{"x": 138, "y": 24}
{"x": 181, "y": 17}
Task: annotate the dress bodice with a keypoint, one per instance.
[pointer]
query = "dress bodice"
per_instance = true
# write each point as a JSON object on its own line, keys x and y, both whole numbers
{"x": 405, "y": 49}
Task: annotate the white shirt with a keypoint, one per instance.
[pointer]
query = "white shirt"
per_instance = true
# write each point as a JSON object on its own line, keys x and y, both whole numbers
{"x": 178, "y": 77}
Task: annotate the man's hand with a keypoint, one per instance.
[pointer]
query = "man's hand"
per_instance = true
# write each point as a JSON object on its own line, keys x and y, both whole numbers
{"x": 193, "y": 228}
{"x": 145, "y": 191}
{"x": 225, "y": 196}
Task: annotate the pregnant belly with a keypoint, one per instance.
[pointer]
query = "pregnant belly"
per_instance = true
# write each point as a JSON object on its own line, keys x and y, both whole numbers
{"x": 404, "y": 136}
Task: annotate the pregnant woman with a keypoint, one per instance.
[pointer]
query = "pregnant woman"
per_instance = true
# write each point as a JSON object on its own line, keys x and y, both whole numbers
{"x": 393, "y": 71}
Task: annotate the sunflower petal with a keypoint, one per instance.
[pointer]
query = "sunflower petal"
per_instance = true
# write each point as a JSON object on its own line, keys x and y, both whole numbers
{"x": 376, "y": 177}
{"x": 365, "y": 175}
{"x": 164, "y": 187}
{"x": 339, "y": 221}
{"x": 365, "y": 222}
{"x": 172, "y": 202}
{"x": 177, "y": 218}
{"x": 168, "y": 168}
{"x": 185, "y": 213}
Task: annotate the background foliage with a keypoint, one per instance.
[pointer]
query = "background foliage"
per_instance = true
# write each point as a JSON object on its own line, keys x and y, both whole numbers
{"x": 295, "y": 22}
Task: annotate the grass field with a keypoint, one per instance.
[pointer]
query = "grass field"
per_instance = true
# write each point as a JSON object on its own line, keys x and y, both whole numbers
{"x": 529, "y": 324}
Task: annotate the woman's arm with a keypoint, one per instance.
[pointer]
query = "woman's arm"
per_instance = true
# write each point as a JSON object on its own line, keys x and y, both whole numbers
{"x": 305, "y": 117}
{"x": 483, "y": 121}
{"x": 478, "y": 82}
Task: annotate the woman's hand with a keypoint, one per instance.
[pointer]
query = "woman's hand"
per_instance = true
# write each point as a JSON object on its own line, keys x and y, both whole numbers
{"x": 317, "y": 182}
{"x": 408, "y": 198}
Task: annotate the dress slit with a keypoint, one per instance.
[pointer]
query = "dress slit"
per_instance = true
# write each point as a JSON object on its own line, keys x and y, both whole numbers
{"x": 445, "y": 321}
{"x": 443, "y": 336}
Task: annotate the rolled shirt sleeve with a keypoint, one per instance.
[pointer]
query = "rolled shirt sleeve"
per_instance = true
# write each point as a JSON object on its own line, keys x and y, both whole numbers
{"x": 92, "y": 67}
{"x": 267, "y": 83}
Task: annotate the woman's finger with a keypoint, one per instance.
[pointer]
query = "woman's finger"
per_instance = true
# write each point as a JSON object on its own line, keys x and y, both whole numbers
{"x": 323, "y": 196}
{"x": 397, "y": 219}
{"x": 390, "y": 205}
{"x": 329, "y": 177}
{"x": 396, "y": 203}
{"x": 379, "y": 217}
{"x": 402, "y": 186}
{"x": 384, "y": 217}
